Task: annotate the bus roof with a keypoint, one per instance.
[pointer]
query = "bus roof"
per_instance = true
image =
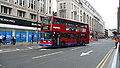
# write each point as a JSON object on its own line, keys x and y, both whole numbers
{"x": 67, "y": 19}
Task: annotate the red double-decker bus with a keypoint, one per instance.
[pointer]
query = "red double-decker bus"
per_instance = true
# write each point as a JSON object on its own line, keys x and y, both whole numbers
{"x": 62, "y": 32}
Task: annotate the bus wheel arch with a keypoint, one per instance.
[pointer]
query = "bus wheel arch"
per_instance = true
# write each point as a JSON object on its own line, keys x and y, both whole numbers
{"x": 83, "y": 43}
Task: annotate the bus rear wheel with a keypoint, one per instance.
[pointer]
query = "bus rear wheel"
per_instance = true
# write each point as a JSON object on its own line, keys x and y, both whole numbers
{"x": 62, "y": 44}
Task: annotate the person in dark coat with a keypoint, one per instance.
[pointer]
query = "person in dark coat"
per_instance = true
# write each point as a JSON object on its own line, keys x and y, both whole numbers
{"x": 13, "y": 40}
{"x": 1, "y": 38}
{"x": 32, "y": 39}
{"x": 4, "y": 40}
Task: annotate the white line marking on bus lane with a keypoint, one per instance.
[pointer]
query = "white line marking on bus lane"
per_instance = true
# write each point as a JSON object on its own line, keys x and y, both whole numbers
{"x": 44, "y": 49}
{"x": 87, "y": 53}
{"x": 17, "y": 49}
{"x": 0, "y": 65}
{"x": 47, "y": 55}
{"x": 30, "y": 47}
{"x": 75, "y": 48}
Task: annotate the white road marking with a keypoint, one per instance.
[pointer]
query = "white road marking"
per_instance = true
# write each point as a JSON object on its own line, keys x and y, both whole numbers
{"x": 25, "y": 55}
{"x": 0, "y": 65}
{"x": 17, "y": 49}
{"x": 87, "y": 53}
{"x": 1, "y": 50}
{"x": 75, "y": 48}
{"x": 44, "y": 49}
{"x": 39, "y": 46}
{"x": 47, "y": 55}
{"x": 30, "y": 47}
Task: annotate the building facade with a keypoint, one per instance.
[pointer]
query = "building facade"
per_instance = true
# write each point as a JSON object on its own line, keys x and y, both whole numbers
{"x": 22, "y": 18}
{"x": 82, "y": 11}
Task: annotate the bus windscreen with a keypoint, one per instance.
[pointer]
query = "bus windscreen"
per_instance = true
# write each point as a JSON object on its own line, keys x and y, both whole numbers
{"x": 46, "y": 20}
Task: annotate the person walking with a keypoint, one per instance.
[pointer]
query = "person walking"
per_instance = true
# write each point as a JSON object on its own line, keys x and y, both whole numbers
{"x": 13, "y": 40}
{"x": 4, "y": 40}
{"x": 1, "y": 39}
{"x": 32, "y": 39}
{"x": 117, "y": 40}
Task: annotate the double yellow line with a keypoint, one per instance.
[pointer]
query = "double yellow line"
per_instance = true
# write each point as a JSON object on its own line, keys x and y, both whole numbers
{"x": 104, "y": 60}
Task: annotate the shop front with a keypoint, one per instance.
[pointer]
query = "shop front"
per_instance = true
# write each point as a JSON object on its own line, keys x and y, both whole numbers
{"x": 22, "y": 30}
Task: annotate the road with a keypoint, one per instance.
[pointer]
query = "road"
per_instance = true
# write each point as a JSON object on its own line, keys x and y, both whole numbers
{"x": 88, "y": 56}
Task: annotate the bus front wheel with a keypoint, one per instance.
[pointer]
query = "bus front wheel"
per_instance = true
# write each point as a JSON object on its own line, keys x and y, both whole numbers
{"x": 83, "y": 43}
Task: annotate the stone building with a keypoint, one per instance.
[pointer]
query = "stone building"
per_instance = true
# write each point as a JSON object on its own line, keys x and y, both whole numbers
{"x": 22, "y": 18}
{"x": 82, "y": 11}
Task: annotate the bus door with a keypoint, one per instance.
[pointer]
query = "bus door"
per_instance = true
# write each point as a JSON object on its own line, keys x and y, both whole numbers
{"x": 78, "y": 38}
{"x": 56, "y": 38}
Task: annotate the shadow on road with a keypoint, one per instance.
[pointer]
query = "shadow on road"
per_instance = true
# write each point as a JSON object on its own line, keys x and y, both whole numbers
{"x": 63, "y": 47}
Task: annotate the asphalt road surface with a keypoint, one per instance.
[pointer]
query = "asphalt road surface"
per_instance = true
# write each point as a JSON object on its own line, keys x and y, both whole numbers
{"x": 88, "y": 56}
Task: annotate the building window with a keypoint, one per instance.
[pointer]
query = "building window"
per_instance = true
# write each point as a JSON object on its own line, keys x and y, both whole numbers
{"x": 60, "y": 5}
{"x": 71, "y": 15}
{"x": 81, "y": 18}
{"x": 33, "y": 16}
{"x": 50, "y": 10}
{"x": 20, "y": 13}
{"x": 63, "y": 14}
{"x": 32, "y": 4}
{"x": 90, "y": 21}
{"x": 49, "y": 1}
{"x": 72, "y": 5}
{"x": 42, "y": 5}
{"x": 6, "y": 10}
{"x": 80, "y": 12}
{"x": 20, "y": 2}
{"x": 64, "y": 5}
{"x": 84, "y": 17}
{"x": 87, "y": 19}
{"x": 8, "y": 0}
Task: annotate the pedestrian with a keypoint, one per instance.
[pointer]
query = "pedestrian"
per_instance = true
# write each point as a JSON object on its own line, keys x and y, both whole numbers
{"x": 4, "y": 40}
{"x": 13, "y": 40}
{"x": 32, "y": 38}
{"x": 1, "y": 39}
{"x": 117, "y": 40}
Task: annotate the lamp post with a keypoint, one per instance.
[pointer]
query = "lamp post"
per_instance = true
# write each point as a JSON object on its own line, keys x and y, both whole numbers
{"x": 37, "y": 23}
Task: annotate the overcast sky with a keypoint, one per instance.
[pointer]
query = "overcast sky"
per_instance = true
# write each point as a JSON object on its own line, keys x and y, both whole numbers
{"x": 107, "y": 9}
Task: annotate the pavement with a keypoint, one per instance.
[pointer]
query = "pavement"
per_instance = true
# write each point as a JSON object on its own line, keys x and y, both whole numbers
{"x": 18, "y": 47}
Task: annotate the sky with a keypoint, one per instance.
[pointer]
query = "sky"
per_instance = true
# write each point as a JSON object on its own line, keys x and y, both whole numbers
{"x": 107, "y": 9}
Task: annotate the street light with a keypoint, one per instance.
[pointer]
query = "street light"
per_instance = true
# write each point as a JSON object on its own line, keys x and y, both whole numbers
{"x": 37, "y": 23}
